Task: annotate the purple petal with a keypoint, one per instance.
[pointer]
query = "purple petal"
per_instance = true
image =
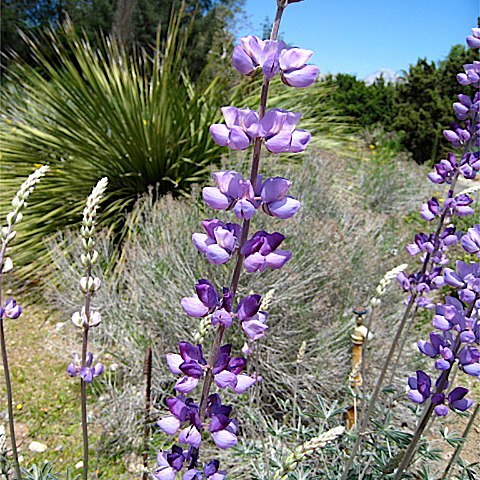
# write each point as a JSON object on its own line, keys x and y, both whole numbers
{"x": 248, "y": 307}
{"x": 186, "y": 384}
{"x": 165, "y": 473}
{"x": 169, "y": 425}
{"x": 275, "y": 189}
{"x": 224, "y": 439}
{"x": 242, "y": 62}
{"x": 300, "y": 78}
{"x": 254, "y": 329}
{"x": 284, "y": 208}
{"x": 190, "y": 436}
{"x": 278, "y": 259}
{"x": 194, "y": 307}
{"x": 472, "y": 369}
{"x": 225, "y": 379}
{"x": 244, "y": 382}
{"x": 217, "y": 255}
{"x": 255, "y": 263}
{"x": 202, "y": 241}
{"x": 239, "y": 140}
{"x": 220, "y": 134}
{"x": 279, "y": 143}
{"x": 294, "y": 58}
{"x": 244, "y": 209}
{"x": 300, "y": 140}
{"x": 214, "y": 198}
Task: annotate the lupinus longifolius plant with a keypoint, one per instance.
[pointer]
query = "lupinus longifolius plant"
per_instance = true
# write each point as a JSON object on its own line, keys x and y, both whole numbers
{"x": 10, "y": 309}
{"x": 82, "y": 366}
{"x": 454, "y": 342}
{"x": 457, "y": 318}
{"x": 221, "y": 242}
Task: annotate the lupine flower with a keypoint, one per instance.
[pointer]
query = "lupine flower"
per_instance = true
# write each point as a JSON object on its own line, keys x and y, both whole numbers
{"x": 419, "y": 387}
{"x": 253, "y": 321}
{"x": 470, "y": 165}
{"x": 456, "y": 135}
{"x": 80, "y": 320}
{"x": 294, "y": 70}
{"x": 275, "y": 201}
{"x": 473, "y": 40}
{"x": 190, "y": 363}
{"x": 437, "y": 341}
{"x": 444, "y": 170}
{"x": 204, "y": 302}
{"x": 272, "y": 57}
{"x": 277, "y": 127}
{"x": 471, "y": 240}
{"x": 222, "y": 428}
{"x": 227, "y": 371}
{"x": 184, "y": 413}
{"x": 210, "y": 471}
{"x": 471, "y": 75}
{"x": 233, "y": 191}
{"x": 469, "y": 360}
{"x": 466, "y": 279}
{"x": 182, "y": 410}
{"x": 460, "y": 205}
{"x": 430, "y": 210}
{"x": 253, "y": 53}
{"x": 261, "y": 251}
{"x": 240, "y": 130}
{"x": 449, "y": 314}
{"x": 170, "y": 463}
{"x": 220, "y": 241}
{"x": 466, "y": 107}
{"x": 12, "y": 309}
{"x": 87, "y": 373}
{"x": 456, "y": 401}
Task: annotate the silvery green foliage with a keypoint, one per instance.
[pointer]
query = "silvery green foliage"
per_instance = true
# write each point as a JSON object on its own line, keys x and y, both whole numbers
{"x": 46, "y": 473}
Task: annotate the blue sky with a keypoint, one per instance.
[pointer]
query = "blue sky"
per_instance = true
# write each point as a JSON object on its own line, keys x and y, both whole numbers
{"x": 363, "y": 36}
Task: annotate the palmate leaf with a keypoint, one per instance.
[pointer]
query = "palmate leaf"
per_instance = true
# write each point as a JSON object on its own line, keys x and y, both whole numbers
{"x": 136, "y": 119}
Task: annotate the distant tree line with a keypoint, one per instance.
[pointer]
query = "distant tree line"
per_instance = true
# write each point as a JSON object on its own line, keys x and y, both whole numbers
{"x": 417, "y": 107}
{"x": 134, "y": 22}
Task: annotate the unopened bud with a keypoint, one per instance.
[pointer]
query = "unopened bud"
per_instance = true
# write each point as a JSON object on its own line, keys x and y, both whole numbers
{"x": 7, "y": 265}
{"x": 95, "y": 319}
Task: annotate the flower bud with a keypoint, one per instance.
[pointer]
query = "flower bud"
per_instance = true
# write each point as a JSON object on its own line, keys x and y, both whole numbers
{"x": 7, "y": 265}
{"x": 79, "y": 319}
{"x": 95, "y": 319}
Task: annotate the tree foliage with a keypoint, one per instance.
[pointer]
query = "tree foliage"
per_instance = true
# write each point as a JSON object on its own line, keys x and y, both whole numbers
{"x": 134, "y": 22}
